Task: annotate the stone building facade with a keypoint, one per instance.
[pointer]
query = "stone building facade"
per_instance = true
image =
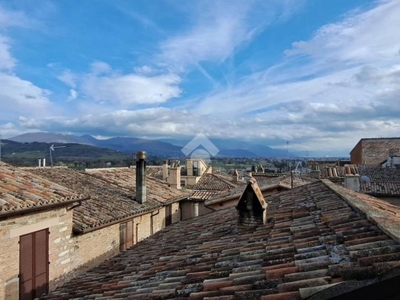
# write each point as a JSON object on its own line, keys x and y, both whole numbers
{"x": 373, "y": 151}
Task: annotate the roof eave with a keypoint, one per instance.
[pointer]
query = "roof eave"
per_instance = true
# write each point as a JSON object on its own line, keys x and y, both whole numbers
{"x": 40, "y": 208}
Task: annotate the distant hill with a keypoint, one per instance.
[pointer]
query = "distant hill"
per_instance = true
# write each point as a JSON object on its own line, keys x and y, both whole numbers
{"x": 49, "y": 137}
{"x": 124, "y": 144}
{"x": 238, "y": 148}
{"x": 27, "y": 154}
{"x": 162, "y": 148}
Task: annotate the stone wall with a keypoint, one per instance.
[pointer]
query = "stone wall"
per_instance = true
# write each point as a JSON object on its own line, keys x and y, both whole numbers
{"x": 176, "y": 212}
{"x": 59, "y": 222}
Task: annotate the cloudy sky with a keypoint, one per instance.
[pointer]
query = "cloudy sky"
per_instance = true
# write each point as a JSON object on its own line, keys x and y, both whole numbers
{"x": 319, "y": 74}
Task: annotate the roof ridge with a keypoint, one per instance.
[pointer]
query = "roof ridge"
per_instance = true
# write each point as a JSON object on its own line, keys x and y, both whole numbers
{"x": 382, "y": 213}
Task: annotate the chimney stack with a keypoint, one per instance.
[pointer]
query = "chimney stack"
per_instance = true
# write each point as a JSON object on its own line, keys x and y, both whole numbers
{"x": 165, "y": 170}
{"x": 235, "y": 176}
{"x": 174, "y": 178}
{"x": 141, "y": 177}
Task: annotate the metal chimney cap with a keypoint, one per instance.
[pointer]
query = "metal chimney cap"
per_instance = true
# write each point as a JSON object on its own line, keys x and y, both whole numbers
{"x": 141, "y": 155}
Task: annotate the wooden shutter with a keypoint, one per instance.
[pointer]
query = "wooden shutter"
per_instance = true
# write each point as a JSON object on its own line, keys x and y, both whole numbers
{"x": 34, "y": 264}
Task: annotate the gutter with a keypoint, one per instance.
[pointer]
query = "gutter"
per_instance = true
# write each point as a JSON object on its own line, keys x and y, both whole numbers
{"x": 83, "y": 231}
{"x": 41, "y": 207}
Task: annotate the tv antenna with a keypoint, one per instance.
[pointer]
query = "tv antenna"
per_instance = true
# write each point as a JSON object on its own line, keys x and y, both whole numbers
{"x": 52, "y": 148}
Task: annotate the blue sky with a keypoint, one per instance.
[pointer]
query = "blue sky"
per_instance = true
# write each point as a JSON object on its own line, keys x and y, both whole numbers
{"x": 319, "y": 74}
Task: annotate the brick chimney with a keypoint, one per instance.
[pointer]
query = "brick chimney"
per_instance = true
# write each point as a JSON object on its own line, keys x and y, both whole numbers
{"x": 141, "y": 177}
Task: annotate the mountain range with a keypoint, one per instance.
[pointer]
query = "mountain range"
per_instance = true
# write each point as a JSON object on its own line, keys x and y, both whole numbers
{"x": 166, "y": 147}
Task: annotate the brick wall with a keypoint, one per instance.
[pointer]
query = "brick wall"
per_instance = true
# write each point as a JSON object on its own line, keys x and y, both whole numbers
{"x": 59, "y": 222}
{"x": 376, "y": 151}
{"x": 356, "y": 154}
{"x": 148, "y": 224}
{"x": 89, "y": 249}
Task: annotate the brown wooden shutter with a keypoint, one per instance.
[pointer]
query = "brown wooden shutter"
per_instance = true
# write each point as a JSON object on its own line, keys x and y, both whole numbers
{"x": 41, "y": 262}
{"x": 26, "y": 290}
{"x": 34, "y": 264}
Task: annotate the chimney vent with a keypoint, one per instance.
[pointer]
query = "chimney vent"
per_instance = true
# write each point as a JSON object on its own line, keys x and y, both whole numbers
{"x": 141, "y": 177}
{"x": 252, "y": 207}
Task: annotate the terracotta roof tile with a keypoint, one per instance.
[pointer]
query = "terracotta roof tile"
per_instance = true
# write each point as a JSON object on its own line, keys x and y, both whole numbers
{"x": 22, "y": 191}
{"x": 223, "y": 258}
{"x": 383, "y": 181}
{"x": 112, "y": 197}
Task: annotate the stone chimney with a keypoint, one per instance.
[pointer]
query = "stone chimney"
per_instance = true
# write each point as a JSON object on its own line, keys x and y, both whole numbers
{"x": 141, "y": 177}
{"x": 315, "y": 171}
{"x": 174, "y": 178}
{"x": 165, "y": 170}
{"x": 252, "y": 207}
{"x": 351, "y": 177}
{"x": 352, "y": 182}
{"x": 235, "y": 176}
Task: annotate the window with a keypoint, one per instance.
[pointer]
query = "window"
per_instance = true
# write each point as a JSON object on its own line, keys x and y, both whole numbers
{"x": 195, "y": 168}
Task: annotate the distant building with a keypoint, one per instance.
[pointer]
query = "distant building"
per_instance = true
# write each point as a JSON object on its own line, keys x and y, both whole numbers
{"x": 373, "y": 151}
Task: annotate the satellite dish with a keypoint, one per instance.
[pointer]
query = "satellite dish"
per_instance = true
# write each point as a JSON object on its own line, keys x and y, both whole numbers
{"x": 365, "y": 179}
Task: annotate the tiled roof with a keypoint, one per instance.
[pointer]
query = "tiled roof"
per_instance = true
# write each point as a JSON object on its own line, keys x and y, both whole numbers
{"x": 109, "y": 202}
{"x": 126, "y": 177}
{"x": 203, "y": 195}
{"x": 213, "y": 185}
{"x": 383, "y": 181}
{"x": 212, "y": 182}
{"x": 21, "y": 191}
{"x": 317, "y": 237}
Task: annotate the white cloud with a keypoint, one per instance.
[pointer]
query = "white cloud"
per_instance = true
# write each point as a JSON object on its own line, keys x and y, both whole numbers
{"x": 131, "y": 89}
{"x": 72, "y": 94}
{"x": 21, "y": 97}
{"x": 9, "y": 18}
{"x": 371, "y": 36}
{"x": 68, "y": 78}
{"x": 340, "y": 85}
{"x": 18, "y": 97}
{"x": 99, "y": 67}
{"x": 143, "y": 70}
{"x": 219, "y": 29}
{"x": 7, "y": 62}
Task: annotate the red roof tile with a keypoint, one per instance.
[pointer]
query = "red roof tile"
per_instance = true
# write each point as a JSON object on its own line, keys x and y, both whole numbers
{"x": 215, "y": 256}
{"x": 21, "y": 191}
